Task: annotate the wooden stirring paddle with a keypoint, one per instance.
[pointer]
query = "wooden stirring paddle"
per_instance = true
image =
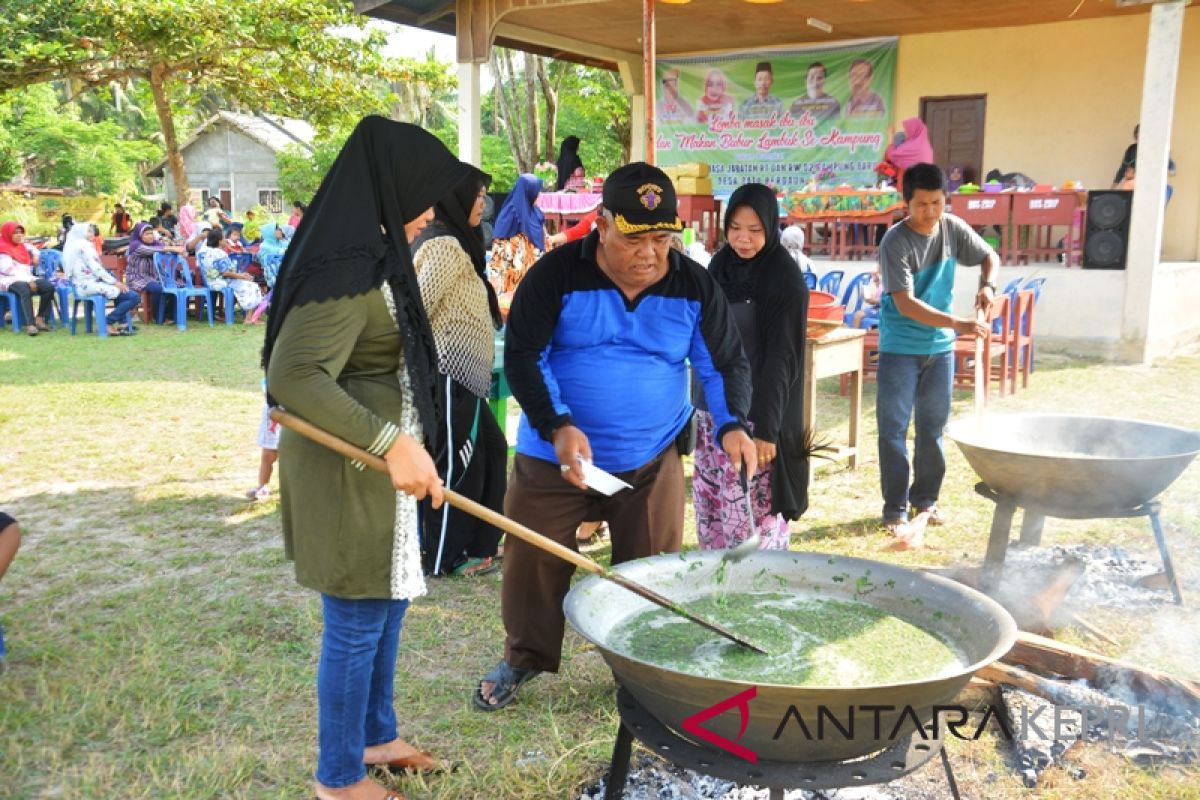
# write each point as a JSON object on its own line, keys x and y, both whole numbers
{"x": 338, "y": 445}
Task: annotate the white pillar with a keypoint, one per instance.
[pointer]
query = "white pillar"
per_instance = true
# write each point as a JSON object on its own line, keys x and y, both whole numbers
{"x": 469, "y": 148}
{"x": 637, "y": 127}
{"x": 1146, "y": 217}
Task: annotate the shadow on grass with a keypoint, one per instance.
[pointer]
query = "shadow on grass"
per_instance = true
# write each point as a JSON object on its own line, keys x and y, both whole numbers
{"x": 840, "y": 530}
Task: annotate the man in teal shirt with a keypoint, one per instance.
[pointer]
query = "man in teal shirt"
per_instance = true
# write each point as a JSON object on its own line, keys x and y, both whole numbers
{"x": 917, "y": 260}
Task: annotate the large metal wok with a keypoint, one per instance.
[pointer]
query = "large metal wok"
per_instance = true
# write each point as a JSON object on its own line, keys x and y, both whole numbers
{"x": 978, "y": 627}
{"x": 1078, "y": 466}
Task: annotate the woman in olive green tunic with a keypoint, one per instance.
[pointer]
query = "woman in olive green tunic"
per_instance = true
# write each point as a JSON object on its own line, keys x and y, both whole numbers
{"x": 349, "y": 349}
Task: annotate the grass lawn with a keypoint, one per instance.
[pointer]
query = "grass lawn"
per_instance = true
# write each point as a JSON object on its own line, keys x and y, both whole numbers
{"x": 159, "y": 647}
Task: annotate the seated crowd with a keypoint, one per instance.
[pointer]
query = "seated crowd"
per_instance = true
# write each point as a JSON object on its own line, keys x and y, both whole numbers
{"x": 223, "y": 259}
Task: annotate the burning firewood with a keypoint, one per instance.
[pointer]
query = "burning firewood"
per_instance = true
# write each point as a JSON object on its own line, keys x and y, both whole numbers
{"x": 1145, "y": 684}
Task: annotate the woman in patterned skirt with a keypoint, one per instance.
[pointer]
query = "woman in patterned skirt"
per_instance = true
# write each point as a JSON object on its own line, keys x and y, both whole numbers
{"x": 768, "y": 299}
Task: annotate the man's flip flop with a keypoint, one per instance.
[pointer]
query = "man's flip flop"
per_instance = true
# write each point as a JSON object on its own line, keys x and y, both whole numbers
{"x": 506, "y": 680}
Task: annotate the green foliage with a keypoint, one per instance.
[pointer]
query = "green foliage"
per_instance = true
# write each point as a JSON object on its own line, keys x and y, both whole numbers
{"x": 282, "y": 56}
{"x": 593, "y": 107}
{"x": 301, "y": 173}
{"x": 498, "y": 162}
{"x": 54, "y": 148}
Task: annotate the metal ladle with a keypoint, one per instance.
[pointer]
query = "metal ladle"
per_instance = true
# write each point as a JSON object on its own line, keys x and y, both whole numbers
{"x": 740, "y": 551}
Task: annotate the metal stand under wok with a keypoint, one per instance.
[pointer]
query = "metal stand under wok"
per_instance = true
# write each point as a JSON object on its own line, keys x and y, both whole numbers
{"x": 1034, "y": 519}
{"x": 900, "y": 759}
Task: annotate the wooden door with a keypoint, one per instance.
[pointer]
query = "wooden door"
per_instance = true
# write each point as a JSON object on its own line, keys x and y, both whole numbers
{"x": 956, "y": 132}
{"x": 227, "y": 201}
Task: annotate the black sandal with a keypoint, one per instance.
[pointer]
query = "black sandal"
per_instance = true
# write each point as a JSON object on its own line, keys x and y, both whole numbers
{"x": 506, "y": 681}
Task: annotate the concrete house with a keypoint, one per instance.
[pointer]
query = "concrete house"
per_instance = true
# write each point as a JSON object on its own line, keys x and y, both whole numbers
{"x": 232, "y": 156}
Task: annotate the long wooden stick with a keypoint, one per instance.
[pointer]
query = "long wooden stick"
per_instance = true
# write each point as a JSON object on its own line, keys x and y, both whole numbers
{"x": 338, "y": 445}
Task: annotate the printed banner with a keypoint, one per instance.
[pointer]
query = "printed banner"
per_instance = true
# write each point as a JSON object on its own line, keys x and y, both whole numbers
{"x": 816, "y": 117}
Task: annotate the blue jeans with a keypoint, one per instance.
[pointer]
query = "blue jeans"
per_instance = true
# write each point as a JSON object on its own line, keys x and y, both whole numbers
{"x": 122, "y": 305}
{"x": 355, "y": 683}
{"x": 907, "y": 383}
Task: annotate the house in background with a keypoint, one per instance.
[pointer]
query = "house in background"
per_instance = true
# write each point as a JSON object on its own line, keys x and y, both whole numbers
{"x": 232, "y": 156}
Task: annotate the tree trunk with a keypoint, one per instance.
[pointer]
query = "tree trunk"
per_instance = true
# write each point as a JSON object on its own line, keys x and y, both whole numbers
{"x": 550, "y": 95}
{"x": 506, "y": 107}
{"x": 157, "y": 79}
{"x": 532, "y": 117}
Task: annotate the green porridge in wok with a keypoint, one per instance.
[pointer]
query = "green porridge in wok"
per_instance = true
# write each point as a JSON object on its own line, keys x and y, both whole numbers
{"x": 813, "y": 641}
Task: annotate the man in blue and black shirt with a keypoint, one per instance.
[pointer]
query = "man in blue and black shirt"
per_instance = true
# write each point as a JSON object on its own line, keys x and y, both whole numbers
{"x": 600, "y": 336}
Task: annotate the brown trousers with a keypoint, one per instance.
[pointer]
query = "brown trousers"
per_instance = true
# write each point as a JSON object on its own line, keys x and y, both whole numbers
{"x": 644, "y": 521}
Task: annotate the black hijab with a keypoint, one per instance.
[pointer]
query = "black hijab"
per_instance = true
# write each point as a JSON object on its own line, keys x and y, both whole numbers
{"x": 775, "y": 284}
{"x": 452, "y": 217}
{"x": 738, "y": 276}
{"x": 568, "y": 160}
{"x": 352, "y": 240}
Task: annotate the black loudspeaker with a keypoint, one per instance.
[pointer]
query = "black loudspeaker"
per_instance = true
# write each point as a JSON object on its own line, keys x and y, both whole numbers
{"x": 1106, "y": 241}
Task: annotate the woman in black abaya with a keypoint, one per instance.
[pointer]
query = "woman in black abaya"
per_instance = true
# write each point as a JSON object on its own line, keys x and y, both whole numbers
{"x": 768, "y": 299}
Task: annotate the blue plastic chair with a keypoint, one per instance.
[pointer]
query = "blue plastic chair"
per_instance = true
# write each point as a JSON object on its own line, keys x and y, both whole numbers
{"x": 1036, "y": 285}
{"x": 240, "y": 261}
{"x": 852, "y": 299}
{"x": 11, "y": 305}
{"x": 166, "y": 267}
{"x": 1012, "y": 286}
{"x": 811, "y": 279}
{"x": 94, "y": 306}
{"x": 49, "y": 262}
{"x": 831, "y": 281}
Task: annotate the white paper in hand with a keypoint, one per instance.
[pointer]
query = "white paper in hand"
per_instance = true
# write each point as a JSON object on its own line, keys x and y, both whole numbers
{"x": 600, "y": 480}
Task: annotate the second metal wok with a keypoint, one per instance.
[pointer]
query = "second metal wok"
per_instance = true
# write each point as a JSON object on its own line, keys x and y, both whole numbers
{"x": 1079, "y": 466}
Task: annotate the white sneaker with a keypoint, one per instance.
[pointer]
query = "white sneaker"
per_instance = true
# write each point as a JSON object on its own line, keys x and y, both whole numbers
{"x": 261, "y": 493}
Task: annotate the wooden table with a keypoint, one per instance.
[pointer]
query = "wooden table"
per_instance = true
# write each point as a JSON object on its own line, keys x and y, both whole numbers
{"x": 981, "y": 209}
{"x": 843, "y": 208}
{"x": 1041, "y": 212}
{"x": 838, "y": 352}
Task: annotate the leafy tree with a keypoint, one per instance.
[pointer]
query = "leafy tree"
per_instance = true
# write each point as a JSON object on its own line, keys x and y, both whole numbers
{"x": 52, "y": 147}
{"x": 271, "y": 55}
{"x": 301, "y": 172}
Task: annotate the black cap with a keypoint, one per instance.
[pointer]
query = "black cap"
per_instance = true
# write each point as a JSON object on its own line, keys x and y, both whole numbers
{"x": 641, "y": 198}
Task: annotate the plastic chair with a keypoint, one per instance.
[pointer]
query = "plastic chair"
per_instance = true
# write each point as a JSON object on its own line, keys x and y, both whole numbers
{"x": 49, "y": 262}
{"x": 240, "y": 261}
{"x": 811, "y": 279}
{"x": 172, "y": 264}
{"x": 94, "y": 305}
{"x": 831, "y": 281}
{"x": 853, "y": 300}
{"x": 9, "y": 304}
{"x": 1035, "y": 284}
{"x": 1012, "y": 286}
